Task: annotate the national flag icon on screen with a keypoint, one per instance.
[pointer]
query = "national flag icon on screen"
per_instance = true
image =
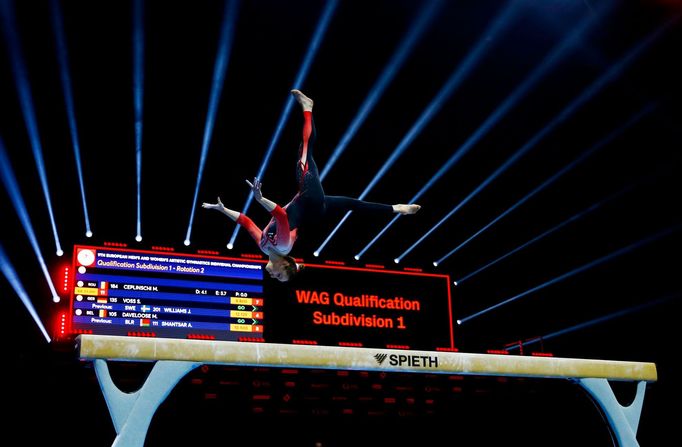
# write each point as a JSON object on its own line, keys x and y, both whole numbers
{"x": 101, "y": 299}
{"x": 103, "y": 313}
{"x": 144, "y": 322}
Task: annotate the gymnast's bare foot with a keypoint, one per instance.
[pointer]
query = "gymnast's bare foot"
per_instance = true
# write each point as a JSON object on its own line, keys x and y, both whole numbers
{"x": 303, "y": 100}
{"x": 406, "y": 209}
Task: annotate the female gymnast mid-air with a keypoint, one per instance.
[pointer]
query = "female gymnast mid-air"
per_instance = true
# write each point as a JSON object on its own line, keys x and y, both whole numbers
{"x": 307, "y": 207}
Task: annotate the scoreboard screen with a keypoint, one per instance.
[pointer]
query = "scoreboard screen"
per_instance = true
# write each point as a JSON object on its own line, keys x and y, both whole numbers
{"x": 120, "y": 291}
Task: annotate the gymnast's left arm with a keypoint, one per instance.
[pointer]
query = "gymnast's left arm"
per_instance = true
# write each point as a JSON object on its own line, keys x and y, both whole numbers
{"x": 268, "y": 204}
{"x": 279, "y": 213}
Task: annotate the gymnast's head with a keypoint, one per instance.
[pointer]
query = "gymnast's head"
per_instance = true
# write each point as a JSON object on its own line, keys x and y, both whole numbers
{"x": 283, "y": 268}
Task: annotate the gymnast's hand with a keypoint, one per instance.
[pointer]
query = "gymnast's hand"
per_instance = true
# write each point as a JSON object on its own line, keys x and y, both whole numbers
{"x": 213, "y": 206}
{"x": 255, "y": 188}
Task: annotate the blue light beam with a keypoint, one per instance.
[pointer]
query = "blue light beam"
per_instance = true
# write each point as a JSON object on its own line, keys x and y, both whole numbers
{"x": 63, "y": 59}
{"x": 12, "y": 187}
{"x": 548, "y": 63}
{"x": 595, "y": 321}
{"x": 581, "y": 158}
{"x": 573, "y": 218}
{"x": 314, "y": 46}
{"x": 566, "y": 113}
{"x": 26, "y": 102}
{"x": 13, "y": 279}
{"x": 454, "y": 81}
{"x": 138, "y": 97}
{"x": 647, "y": 240}
{"x": 399, "y": 57}
{"x": 219, "y": 70}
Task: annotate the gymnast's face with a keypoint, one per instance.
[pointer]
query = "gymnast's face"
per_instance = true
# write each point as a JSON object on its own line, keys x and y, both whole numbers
{"x": 277, "y": 271}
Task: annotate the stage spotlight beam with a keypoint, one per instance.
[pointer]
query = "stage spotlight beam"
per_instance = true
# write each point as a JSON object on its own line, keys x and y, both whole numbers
{"x": 446, "y": 91}
{"x": 595, "y": 321}
{"x": 313, "y": 47}
{"x": 63, "y": 59}
{"x": 581, "y": 158}
{"x": 399, "y": 57}
{"x": 548, "y": 63}
{"x": 566, "y": 113}
{"x": 13, "y": 279}
{"x": 138, "y": 100}
{"x": 614, "y": 254}
{"x": 219, "y": 70}
{"x": 10, "y": 182}
{"x": 546, "y": 233}
{"x": 19, "y": 70}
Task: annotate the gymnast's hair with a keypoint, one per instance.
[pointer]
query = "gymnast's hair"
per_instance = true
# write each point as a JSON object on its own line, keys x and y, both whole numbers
{"x": 292, "y": 268}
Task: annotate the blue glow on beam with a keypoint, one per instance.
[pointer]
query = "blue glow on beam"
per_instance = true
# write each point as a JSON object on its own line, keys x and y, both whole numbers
{"x": 62, "y": 57}
{"x": 26, "y": 101}
{"x": 418, "y": 27}
{"x": 314, "y": 46}
{"x": 12, "y": 277}
{"x": 585, "y": 96}
{"x": 600, "y": 144}
{"x": 138, "y": 96}
{"x": 546, "y": 233}
{"x": 219, "y": 70}
{"x": 12, "y": 187}
{"x": 577, "y": 270}
{"x": 557, "y": 54}
{"x": 454, "y": 81}
{"x": 595, "y": 321}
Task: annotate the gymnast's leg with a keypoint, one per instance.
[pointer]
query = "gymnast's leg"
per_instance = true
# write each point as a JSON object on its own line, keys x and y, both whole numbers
{"x": 308, "y": 205}
{"x": 342, "y": 203}
{"x": 312, "y": 202}
{"x": 306, "y": 163}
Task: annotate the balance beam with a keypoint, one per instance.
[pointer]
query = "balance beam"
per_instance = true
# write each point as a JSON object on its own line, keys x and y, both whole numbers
{"x": 132, "y": 413}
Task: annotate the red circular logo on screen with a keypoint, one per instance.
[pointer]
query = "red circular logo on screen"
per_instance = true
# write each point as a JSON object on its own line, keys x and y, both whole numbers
{"x": 86, "y": 257}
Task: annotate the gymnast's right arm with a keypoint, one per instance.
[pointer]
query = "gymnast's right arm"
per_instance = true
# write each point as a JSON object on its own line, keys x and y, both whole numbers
{"x": 238, "y": 217}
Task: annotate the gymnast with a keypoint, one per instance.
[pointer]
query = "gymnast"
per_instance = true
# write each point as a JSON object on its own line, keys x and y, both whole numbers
{"x": 307, "y": 207}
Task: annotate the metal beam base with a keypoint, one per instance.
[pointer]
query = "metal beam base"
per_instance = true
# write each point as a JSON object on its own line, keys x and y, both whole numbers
{"x": 623, "y": 420}
{"x": 132, "y": 413}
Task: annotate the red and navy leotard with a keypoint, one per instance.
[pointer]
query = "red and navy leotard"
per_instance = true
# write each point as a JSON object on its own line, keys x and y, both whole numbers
{"x": 277, "y": 237}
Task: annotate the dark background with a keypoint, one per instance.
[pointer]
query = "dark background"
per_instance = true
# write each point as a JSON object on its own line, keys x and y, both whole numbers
{"x": 53, "y": 396}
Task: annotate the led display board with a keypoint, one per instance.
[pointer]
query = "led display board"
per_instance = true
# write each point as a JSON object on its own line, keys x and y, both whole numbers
{"x": 120, "y": 291}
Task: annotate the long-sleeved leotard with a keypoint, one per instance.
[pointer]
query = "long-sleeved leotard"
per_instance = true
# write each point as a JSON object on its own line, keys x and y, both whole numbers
{"x": 308, "y": 206}
{"x": 277, "y": 236}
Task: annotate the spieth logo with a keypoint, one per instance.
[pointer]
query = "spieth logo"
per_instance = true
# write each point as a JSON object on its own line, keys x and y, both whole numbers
{"x": 411, "y": 361}
{"x": 380, "y": 358}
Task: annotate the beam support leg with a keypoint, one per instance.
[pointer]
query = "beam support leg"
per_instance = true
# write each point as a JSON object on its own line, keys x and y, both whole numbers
{"x": 624, "y": 420}
{"x": 132, "y": 413}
